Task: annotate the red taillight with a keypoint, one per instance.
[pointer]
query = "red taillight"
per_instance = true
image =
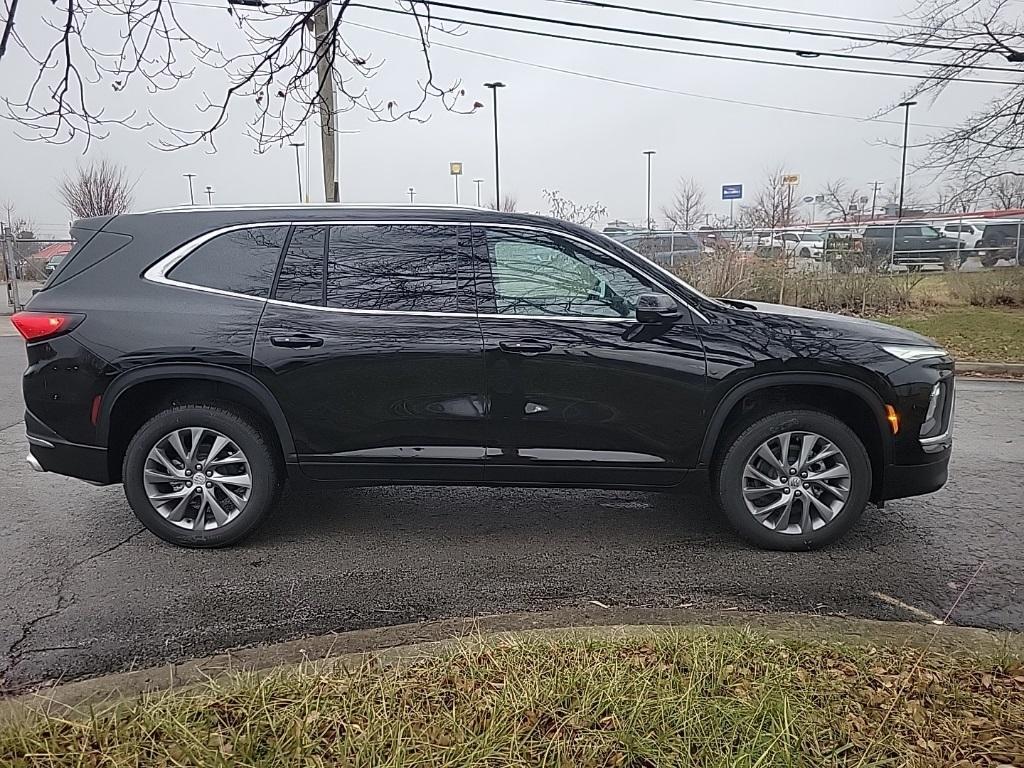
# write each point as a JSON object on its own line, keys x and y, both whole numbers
{"x": 35, "y": 326}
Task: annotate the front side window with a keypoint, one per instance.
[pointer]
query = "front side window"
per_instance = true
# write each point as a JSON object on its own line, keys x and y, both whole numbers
{"x": 240, "y": 261}
{"x": 930, "y": 232}
{"x": 908, "y": 232}
{"x": 394, "y": 267}
{"x": 534, "y": 273}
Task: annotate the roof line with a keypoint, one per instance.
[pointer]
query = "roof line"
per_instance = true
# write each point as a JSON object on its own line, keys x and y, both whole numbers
{"x": 301, "y": 206}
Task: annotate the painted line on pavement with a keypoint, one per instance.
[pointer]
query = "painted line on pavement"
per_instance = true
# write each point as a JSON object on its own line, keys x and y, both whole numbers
{"x": 889, "y": 599}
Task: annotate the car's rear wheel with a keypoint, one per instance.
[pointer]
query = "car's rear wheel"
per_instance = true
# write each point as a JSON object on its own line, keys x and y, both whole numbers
{"x": 200, "y": 475}
{"x": 793, "y": 480}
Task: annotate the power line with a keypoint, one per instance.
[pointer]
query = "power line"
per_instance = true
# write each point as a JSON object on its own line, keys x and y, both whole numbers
{"x": 701, "y": 40}
{"x": 644, "y": 86}
{"x": 811, "y": 31}
{"x": 810, "y": 14}
{"x": 694, "y": 54}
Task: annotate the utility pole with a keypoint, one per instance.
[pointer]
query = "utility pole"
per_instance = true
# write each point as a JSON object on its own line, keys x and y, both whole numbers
{"x": 298, "y": 166}
{"x": 903, "y": 166}
{"x": 649, "y": 153}
{"x": 874, "y": 196}
{"x": 209, "y": 194}
{"x": 412, "y": 194}
{"x": 478, "y": 182}
{"x": 191, "y": 196}
{"x": 497, "y": 172}
{"x": 325, "y": 95}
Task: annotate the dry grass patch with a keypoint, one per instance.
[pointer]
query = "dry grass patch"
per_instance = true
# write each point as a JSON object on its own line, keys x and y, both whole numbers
{"x": 728, "y": 699}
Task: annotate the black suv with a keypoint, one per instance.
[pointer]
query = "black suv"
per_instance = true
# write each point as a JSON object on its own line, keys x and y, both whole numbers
{"x": 201, "y": 356}
{"x": 1000, "y": 240}
{"x": 913, "y": 246}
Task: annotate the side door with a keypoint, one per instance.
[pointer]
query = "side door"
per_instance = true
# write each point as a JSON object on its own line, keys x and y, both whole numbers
{"x": 370, "y": 342}
{"x": 579, "y": 391}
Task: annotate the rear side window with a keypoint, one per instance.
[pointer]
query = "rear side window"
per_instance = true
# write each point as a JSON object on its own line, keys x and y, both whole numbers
{"x": 302, "y": 272}
{"x": 394, "y": 267}
{"x": 240, "y": 261}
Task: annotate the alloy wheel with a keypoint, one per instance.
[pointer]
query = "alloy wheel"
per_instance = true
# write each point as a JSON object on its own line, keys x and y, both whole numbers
{"x": 796, "y": 482}
{"x": 197, "y": 478}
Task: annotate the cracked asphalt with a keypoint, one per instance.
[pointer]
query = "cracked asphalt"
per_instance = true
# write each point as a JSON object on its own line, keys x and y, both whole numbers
{"x": 84, "y": 590}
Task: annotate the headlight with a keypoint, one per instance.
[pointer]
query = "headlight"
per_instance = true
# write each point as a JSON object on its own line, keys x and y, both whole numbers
{"x": 911, "y": 353}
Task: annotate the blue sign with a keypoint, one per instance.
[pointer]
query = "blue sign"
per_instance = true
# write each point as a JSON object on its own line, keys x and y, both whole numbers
{"x": 732, "y": 191}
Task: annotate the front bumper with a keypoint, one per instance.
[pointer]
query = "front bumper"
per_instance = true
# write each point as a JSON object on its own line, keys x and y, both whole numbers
{"x": 903, "y": 480}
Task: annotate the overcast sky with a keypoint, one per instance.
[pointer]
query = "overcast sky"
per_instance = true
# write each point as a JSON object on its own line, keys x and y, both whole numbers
{"x": 582, "y": 136}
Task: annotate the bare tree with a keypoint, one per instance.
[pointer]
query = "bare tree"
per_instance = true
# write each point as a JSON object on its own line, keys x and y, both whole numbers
{"x": 577, "y": 213}
{"x": 688, "y": 205}
{"x": 101, "y": 188}
{"x": 277, "y": 68}
{"x": 966, "y": 36}
{"x": 1008, "y": 191}
{"x": 509, "y": 203}
{"x": 772, "y": 206}
{"x": 840, "y": 201}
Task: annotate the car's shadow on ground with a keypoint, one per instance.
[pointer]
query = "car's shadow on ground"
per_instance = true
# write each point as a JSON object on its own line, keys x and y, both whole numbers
{"x": 683, "y": 518}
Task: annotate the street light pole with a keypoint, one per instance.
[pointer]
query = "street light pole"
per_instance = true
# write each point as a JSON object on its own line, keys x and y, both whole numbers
{"x": 412, "y": 194}
{"x": 209, "y": 194}
{"x": 191, "y": 195}
{"x": 649, "y": 153}
{"x": 298, "y": 166}
{"x": 497, "y": 174}
{"x": 903, "y": 166}
{"x": 478, "y": 182}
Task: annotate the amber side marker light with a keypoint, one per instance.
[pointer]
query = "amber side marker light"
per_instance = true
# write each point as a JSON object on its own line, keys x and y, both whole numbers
{"x": 893, "y": 418}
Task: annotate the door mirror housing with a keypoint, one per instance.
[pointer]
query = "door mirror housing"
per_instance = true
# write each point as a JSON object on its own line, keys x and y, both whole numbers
{"x": 656, "y": 308}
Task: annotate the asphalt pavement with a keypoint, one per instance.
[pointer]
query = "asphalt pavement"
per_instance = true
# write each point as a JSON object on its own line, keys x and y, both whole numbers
{"x": 85, "y": 590}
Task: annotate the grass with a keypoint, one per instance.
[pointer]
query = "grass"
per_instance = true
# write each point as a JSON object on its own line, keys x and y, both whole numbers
{"x": 723, "y": 699}
{"x": 970, "y": 333}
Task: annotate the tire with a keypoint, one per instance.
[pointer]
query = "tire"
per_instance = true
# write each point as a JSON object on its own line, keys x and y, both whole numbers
{"x": 232, "y": 522}
{"x": 727, "y": 481}
{"x": 804, "y": 253}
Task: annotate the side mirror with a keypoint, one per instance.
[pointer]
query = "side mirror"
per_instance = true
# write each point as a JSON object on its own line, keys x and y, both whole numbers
{"x": 656, "y": 308}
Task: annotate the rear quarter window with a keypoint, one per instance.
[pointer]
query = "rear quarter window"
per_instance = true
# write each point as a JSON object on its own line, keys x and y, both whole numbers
{"x": 241, "y": 261}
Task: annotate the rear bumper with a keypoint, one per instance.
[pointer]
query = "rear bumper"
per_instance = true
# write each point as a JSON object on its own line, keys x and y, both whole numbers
{"x": 54, "y": 454}
{"x": 902, "y": 480}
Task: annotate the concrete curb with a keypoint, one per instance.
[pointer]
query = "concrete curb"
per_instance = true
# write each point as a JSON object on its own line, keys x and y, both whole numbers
{"x": 991, "y": 369}
{"x": 410, "y": 641}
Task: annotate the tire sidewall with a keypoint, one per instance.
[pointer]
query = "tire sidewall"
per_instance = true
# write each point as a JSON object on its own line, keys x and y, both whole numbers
{"x": 743, "y": 442}
{"x": 235, "y": 427}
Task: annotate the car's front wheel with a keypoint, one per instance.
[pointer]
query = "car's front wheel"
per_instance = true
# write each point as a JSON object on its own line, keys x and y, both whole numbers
{"x": 792, "y": 480}
{"x": 200, "y": 475}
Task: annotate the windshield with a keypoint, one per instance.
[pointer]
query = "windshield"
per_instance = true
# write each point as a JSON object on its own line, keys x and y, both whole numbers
{"x": 813, "y": 236}
{"x": 615, "y": 245}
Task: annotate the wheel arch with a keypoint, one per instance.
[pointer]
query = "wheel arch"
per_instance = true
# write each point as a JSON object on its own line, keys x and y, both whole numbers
{"x": 876, "y": 435}
{"x": 170, "y": 373}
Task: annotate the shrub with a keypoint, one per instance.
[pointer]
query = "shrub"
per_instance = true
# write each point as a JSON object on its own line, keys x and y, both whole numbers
{"x": 737, "y": 276}
{"x": 998, "y": 288}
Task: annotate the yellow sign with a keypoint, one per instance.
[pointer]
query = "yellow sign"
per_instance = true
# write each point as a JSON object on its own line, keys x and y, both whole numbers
{"x": 455, "y": 168}
{"x": 791, "y": 179}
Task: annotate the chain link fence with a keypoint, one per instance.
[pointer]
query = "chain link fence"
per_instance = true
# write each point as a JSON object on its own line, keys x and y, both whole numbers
{"x": 842, "y": 247}
{"x": 25, "y": 263}
{"x": 852, "y": 267}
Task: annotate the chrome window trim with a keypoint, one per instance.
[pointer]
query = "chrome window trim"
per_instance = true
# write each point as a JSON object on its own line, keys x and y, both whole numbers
{"x": 157, "y": 272}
